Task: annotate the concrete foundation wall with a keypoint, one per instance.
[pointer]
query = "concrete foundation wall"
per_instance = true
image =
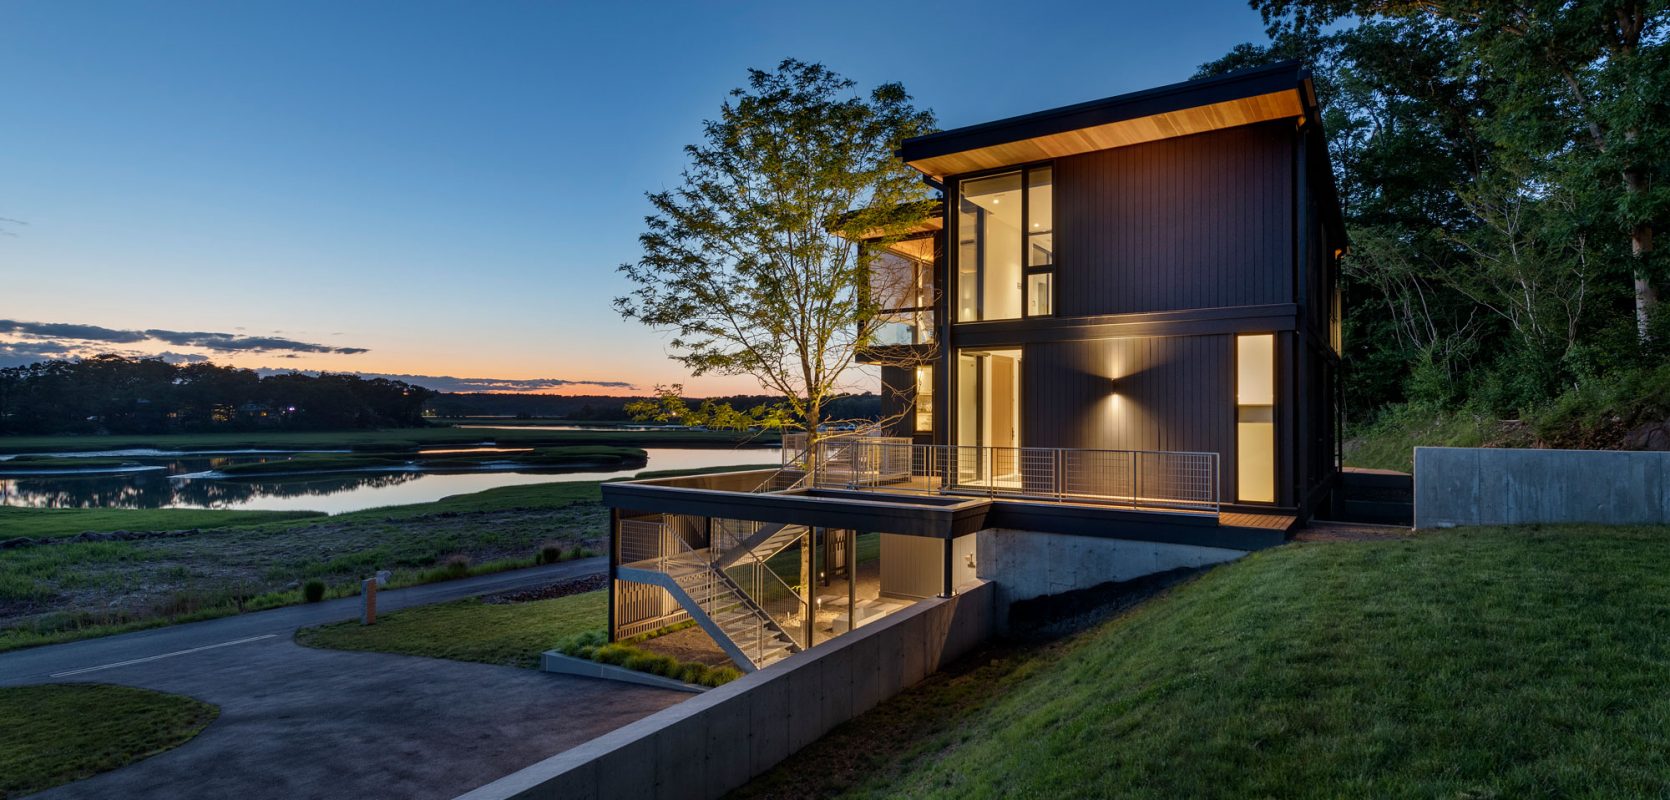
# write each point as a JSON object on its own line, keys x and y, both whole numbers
{"x": 716, "y": 741}
{"x": 1499, "y": 486}
{"x": 1028, "y": 564}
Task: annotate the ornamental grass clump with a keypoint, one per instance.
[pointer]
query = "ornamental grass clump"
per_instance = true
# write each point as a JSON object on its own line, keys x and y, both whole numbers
{"x": 594, "y": 646}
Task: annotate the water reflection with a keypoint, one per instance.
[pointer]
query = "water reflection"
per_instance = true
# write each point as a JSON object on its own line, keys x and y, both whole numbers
{"x": 183, "y": 484}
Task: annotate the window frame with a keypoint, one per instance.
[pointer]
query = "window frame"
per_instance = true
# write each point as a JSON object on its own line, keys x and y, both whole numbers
{"x": 954, "y": 244}
{"x": 922, "y": 286}
{"x": 1027, "y": 269}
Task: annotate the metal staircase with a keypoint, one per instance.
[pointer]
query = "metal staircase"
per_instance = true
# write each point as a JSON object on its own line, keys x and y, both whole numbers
{"x": 729, "y": 591}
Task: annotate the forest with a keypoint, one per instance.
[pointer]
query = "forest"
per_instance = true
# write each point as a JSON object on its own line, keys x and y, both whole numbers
{"x": 1502, "y": 169}
{"x": 116, "y": 394}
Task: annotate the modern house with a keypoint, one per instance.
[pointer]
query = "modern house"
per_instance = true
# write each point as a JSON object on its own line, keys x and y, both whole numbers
{"x": 1113, "y": 351}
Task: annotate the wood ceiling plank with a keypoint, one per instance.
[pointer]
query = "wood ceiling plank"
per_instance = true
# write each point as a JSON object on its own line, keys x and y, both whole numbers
{"x": 1216, "y": 116}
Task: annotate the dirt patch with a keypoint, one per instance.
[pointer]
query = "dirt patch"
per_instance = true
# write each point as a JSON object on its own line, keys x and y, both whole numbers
{"x": 589, "y": 583}
{"x": 689, "y": 644}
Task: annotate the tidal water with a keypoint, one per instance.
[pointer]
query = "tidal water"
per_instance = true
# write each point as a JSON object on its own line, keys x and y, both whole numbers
{"x": 172, "y": 479}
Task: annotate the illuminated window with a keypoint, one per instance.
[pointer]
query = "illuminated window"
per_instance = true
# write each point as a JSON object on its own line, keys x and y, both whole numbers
{"x": 1040, "y": 242}
{"x": 1005, "y": 241}
{"x": 924, "y": 399}
{"x": 1255, "y": 418}
{"x": 903, "y": 290}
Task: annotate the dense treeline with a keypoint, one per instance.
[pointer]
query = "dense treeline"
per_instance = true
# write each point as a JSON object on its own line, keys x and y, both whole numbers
{"x": 450, "y": 405}
{"x": 125, "y": 395}
{"x": 1503, "y": 167}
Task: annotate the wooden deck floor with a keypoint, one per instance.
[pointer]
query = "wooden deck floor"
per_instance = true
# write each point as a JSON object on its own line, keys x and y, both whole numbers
{"x": 1273, "y": 522}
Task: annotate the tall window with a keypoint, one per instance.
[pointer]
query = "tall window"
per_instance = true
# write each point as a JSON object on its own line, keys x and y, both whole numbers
{"x": 903, "y": 287}
{"x": 1255, "y": 418}
{"x": 924, "y": 399}
{"x": 1006, "y": 246}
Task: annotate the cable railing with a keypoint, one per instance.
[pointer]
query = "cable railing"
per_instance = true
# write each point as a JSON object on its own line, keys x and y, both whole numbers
{"x": 728, "y": 581}
{"x": 1135, "y": 478}
{"x": 781, "y": 602}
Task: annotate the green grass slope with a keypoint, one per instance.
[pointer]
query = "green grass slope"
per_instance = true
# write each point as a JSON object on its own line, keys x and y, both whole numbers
{"x": 1478, "y": 663}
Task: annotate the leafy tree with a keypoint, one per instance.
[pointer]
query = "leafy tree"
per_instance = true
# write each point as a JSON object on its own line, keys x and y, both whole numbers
{"x": 1581, "y": 83}
{"x": 147, "y": 395}
{"x": 1501, "y": 168}
{"x": 746, "y": 262}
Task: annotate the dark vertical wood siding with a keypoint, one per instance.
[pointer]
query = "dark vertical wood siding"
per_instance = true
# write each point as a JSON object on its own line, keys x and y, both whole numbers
{"x": 1164, "y": 393}
{"x": 1201, "y": 221}
{"x": 898, "y": 401}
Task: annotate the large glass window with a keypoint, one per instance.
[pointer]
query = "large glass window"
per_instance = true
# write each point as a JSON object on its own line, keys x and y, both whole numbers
{"x": 924, "y": 399}
{"x": 903, "y": 290}
{"x": 1005, "y": 238}
{"x": 1255, "y": 418}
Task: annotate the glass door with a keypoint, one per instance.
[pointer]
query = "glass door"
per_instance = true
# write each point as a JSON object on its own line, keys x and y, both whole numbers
{"x": 988, "y": 418}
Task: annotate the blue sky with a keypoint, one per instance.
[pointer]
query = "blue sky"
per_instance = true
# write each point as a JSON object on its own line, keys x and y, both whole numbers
{"x": 446, "y": 186}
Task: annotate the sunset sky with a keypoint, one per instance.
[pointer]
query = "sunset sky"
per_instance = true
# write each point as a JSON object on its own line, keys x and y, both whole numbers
{"x": 443, "y": 189}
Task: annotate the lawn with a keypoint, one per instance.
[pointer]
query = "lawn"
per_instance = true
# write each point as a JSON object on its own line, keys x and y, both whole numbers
{"x": 1472, "y": 663}
{"x": 54, "y": 734}
{"x": 511, "y": 634}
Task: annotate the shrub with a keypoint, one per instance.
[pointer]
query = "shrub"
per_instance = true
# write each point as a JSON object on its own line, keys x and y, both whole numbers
{"x": 614, "y": 654}
{"x": 594, "y": 645}
{"x": 313, "y": 591}
{"x": 548, "y": 553}
{"x": 582, "y": 645}
{"x": 653, "y": 663}
{"x": 456, "y": 565}
{"x": 578, "y": 552}
{"x": 719, "y": 676}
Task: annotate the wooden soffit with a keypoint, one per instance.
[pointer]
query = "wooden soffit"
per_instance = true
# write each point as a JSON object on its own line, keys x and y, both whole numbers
{"x": 1283, "y": 104}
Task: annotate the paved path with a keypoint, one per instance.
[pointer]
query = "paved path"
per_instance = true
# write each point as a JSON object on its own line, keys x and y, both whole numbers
{"x": 297, "y": 722}
{"x": 40, "y": 664}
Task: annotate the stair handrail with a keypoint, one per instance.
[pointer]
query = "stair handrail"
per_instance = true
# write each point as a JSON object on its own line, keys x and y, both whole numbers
{"x": 801, "y": 603}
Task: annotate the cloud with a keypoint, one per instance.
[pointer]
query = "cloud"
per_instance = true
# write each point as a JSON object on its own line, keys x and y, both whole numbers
{"x": 208, "y": 340}
{"x": 19, "y": 354}
{"x": 68, "y": 330}
{"x": 448, "y": 383}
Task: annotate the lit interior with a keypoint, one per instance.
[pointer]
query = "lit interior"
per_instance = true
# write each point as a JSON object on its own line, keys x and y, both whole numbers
{"x": 1255, "y": 419}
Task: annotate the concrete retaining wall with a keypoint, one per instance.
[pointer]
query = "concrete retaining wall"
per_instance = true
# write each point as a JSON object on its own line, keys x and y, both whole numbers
{"x": 553, "y": 661}
{"x": 1028, "y": 564}
{"x": 716, "y": 741}
{"x": 1498, "y": 486}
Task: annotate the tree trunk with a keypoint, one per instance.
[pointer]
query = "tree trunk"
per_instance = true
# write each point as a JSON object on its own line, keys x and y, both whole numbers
{"x": 1641, "y": 248}
{"x": 1646, "y": 294}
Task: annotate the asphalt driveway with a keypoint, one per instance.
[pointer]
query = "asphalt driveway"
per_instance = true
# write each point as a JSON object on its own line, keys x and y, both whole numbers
{"x": 297, "y": 722}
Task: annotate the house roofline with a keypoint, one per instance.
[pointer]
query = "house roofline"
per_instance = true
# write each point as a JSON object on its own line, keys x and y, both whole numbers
{"x": 1241, "y": 84}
